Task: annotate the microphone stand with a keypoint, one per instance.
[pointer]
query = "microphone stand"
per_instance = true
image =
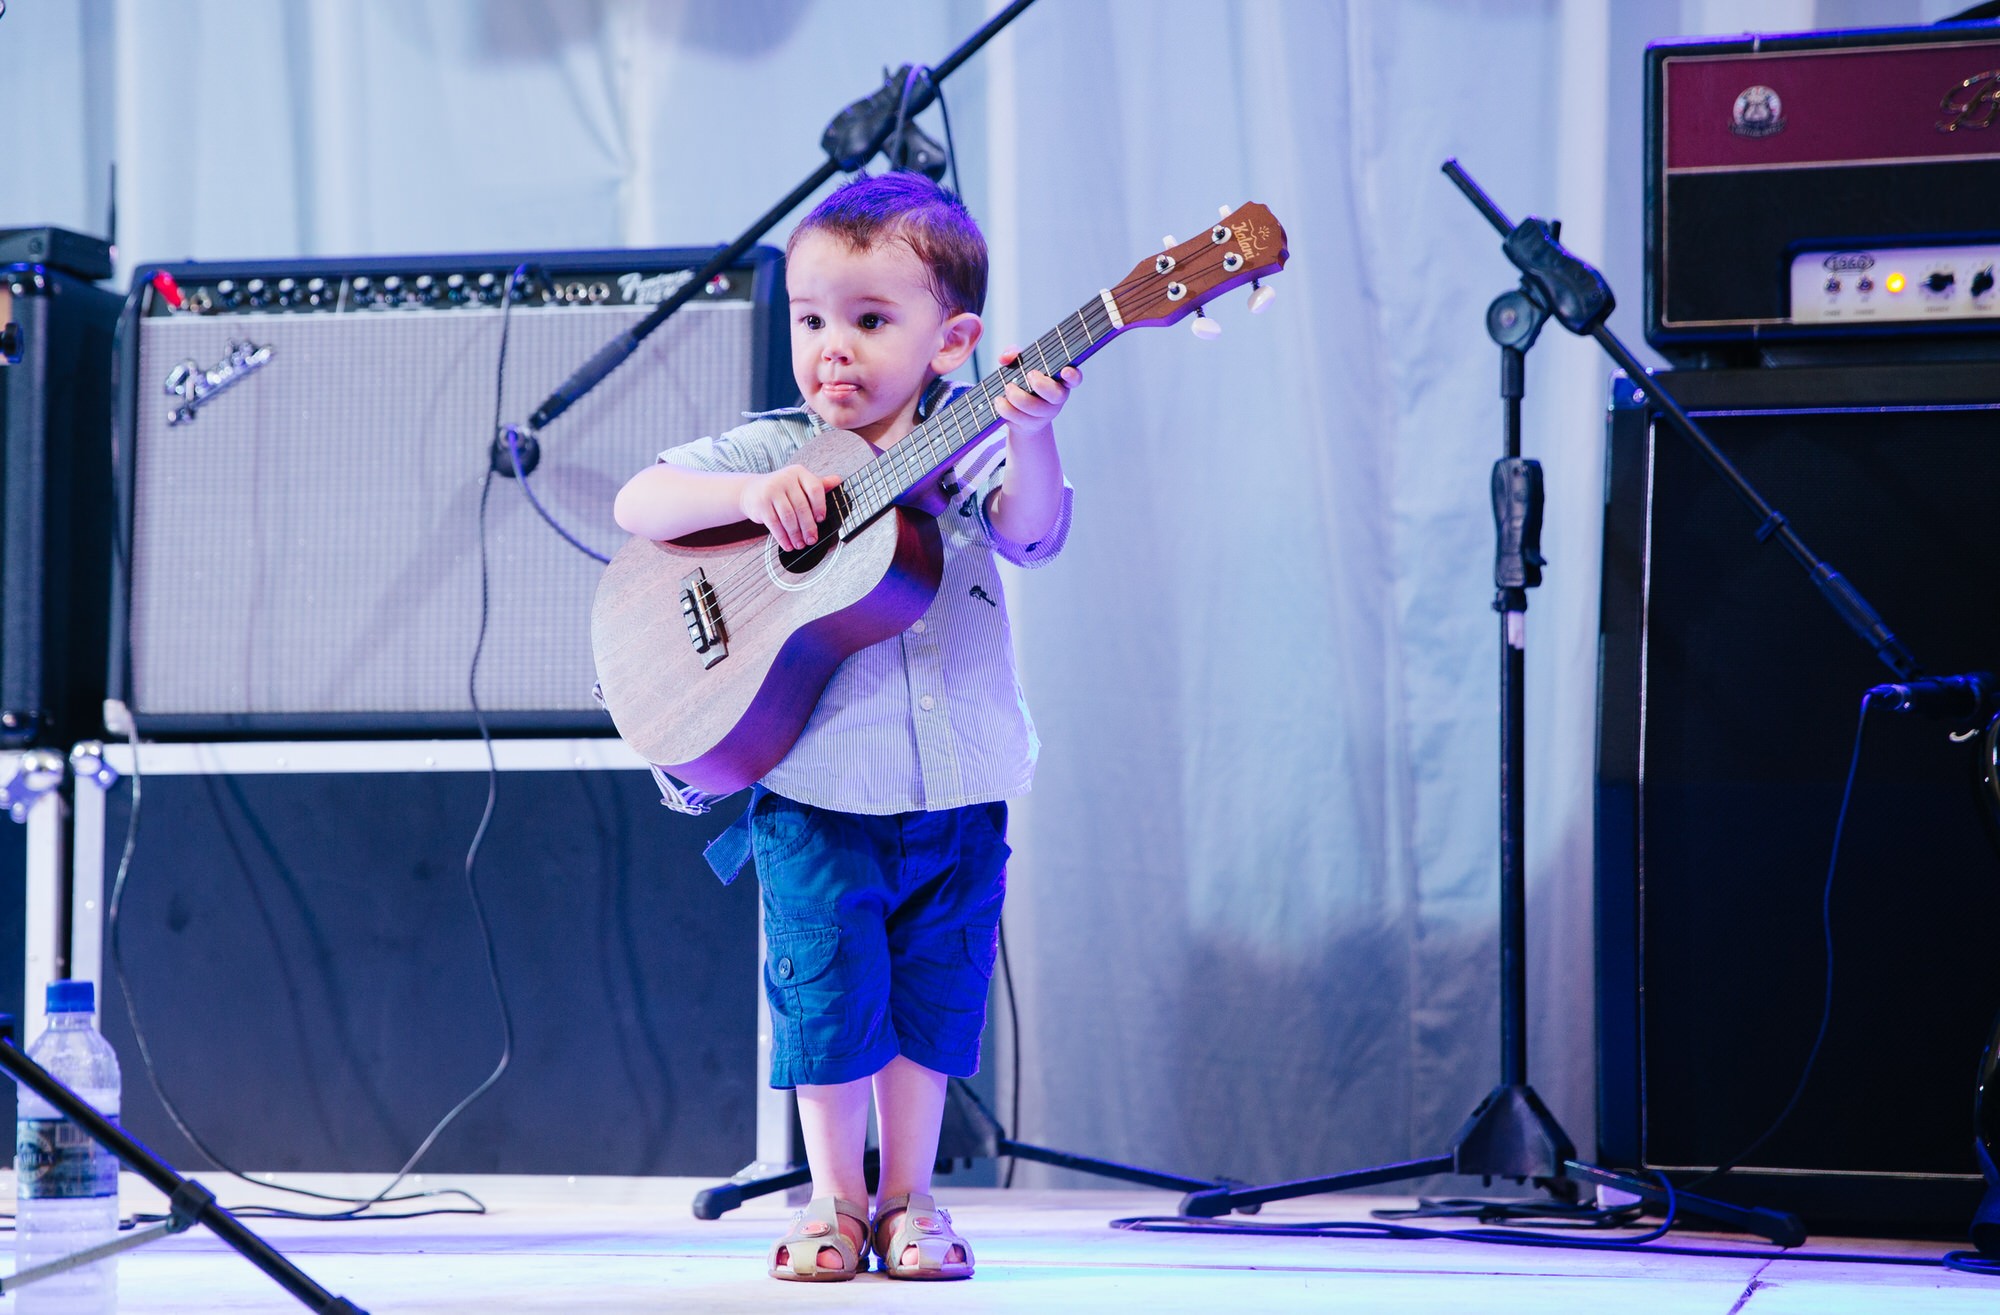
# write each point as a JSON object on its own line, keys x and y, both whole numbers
{"x": 1511, "y": 1134}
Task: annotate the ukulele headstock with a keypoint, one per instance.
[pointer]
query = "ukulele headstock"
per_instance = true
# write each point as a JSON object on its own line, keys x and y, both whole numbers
{"x": 1246, "y": 244}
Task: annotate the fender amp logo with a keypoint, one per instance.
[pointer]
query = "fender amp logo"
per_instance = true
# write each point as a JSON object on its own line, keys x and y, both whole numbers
{"x": 651, "y": 289}
{"x": 1757, "y": 113}
{"x": 1973, "y": 103}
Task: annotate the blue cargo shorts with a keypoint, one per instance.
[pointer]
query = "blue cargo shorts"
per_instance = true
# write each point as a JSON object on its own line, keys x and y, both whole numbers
{"x": 881, "y": 934}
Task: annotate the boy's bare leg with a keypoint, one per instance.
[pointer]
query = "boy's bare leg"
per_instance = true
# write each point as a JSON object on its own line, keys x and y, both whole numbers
{"x": 834, "y": 1120}
{"x": 909, "y": 1107}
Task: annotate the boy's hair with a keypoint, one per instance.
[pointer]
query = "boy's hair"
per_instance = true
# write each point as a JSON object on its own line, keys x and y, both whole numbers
{"x": 932, "y": 222}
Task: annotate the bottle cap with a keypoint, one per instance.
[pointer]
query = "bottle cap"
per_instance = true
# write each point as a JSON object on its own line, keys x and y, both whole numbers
{"x": 72, "y": 997}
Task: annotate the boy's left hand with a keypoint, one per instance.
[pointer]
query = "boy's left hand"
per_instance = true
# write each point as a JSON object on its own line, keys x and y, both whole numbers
{"x": 1033, "y": 409}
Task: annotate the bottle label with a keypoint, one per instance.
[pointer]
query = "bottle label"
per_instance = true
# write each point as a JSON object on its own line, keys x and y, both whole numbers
{"x": 54, "y": 1159}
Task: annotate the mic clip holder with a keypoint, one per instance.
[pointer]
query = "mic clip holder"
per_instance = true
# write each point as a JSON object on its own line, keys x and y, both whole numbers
{"x": 513, "y": 453}
{"x": 880, "y": 122}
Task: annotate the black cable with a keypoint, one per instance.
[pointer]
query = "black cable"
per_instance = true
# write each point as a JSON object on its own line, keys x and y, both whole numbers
{"x": 951, "y": 159}
{"x": 1826, "y": 932}
{"x": 513, "y": 437}
{"x": 1340, "y": 1228}
{"x": 1972, "y": 1262}
{"x": 115, "y": 928}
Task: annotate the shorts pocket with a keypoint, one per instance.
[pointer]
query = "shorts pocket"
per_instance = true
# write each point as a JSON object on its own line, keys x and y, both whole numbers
{"x": 801, "y": 955}
{"x": 780, "y": 829}
{"x": 982, "y": 946}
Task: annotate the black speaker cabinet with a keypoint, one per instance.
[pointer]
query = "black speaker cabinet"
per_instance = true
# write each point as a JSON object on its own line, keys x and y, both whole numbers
{"x": 55, "y": 504}
{"x": 309, "y": 442}
{"x": 1728, "y": 701}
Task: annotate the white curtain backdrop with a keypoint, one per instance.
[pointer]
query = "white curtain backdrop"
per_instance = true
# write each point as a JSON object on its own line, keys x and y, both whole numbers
{"x": 1254, "y": 898}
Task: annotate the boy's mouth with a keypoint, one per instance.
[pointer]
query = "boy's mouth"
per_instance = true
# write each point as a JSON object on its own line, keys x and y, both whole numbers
{"x": 839, "y": 389}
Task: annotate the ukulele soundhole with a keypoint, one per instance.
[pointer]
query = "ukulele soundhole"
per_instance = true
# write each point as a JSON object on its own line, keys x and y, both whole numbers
{"x": 805, "y": 561}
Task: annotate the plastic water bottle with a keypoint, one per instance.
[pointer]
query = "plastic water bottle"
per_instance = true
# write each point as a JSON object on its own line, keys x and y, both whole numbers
{"x": 67, "y": 1184}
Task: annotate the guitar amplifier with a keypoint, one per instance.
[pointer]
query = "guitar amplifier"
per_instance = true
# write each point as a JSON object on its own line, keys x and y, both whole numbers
{"x": 1830, "y": 186}
{"x": 305, "y": 448}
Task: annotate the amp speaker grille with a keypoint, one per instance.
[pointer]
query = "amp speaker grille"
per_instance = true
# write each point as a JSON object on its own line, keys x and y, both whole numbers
{"x": 305, "y": 552}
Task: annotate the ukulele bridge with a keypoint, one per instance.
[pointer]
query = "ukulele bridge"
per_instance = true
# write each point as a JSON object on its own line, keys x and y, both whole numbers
{"x": 703, "y": 615}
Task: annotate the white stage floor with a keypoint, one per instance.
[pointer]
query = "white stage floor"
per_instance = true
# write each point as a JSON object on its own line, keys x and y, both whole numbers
{"x": 631, "y": 1245}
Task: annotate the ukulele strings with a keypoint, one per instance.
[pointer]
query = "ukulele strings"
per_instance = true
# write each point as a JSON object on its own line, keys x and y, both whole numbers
{"x": 892, "y": 468}
{"x": 749, "y": 588}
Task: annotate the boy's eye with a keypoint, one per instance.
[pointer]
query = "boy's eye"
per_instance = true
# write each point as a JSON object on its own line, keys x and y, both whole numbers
{"x": 812, "y": 321}
{"x": 871, "y": 320}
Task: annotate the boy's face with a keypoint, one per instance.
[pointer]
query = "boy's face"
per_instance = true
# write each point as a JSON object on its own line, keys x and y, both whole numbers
{"x": 867, "y": 335}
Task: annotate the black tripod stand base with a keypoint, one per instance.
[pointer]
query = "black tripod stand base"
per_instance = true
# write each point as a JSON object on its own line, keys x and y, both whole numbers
{"x": 1511, "y": 1135}
{"x": 715, "y": 1202}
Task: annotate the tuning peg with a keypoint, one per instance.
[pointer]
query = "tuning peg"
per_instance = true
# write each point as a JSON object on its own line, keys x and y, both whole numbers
{"x": 1260, "y": 296}
{"x": 1203, "y": 327}
{"x": 1167, "y": 241}
{"x": 1223, "y": 210}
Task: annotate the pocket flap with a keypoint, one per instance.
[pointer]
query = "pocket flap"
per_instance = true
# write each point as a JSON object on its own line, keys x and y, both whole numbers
{"x": 801, "y": 955}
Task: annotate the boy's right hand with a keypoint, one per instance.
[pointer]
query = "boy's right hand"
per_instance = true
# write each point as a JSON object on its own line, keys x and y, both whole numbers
{"x": 790, "y": 503}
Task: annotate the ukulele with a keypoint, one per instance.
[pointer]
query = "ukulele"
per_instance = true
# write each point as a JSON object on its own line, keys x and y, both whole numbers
{"x": 713, "y": 649}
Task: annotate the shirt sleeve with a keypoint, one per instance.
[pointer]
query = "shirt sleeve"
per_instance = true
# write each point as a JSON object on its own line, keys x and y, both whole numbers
{"x": 762, "y": 446}
{"x": 1043, "y": 550}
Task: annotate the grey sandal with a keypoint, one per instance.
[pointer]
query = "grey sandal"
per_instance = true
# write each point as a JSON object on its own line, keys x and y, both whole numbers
{"x": 815, "y": 1227}
{"x": 926, "y": 1228}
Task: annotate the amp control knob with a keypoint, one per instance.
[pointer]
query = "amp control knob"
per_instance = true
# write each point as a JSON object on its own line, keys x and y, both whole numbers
{"x": 1940, "y": 281}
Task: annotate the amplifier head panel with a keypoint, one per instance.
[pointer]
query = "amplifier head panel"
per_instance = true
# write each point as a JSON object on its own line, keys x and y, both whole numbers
{"x": 305, "y": 549}
{"x": 1760, "y": 148}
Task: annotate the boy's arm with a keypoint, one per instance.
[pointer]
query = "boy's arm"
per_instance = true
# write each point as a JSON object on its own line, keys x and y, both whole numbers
{"x": 665, "y": 501}
{"x": 1025, "y": 506}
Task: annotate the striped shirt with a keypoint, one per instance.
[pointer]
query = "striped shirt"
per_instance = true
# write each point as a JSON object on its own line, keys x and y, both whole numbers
{"x": 934, "y": 717}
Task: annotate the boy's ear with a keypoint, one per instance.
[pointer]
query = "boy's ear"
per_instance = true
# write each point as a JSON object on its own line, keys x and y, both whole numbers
{"x": 961, "y": 334}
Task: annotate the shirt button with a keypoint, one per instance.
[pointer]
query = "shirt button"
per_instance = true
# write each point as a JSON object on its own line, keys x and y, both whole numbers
{"x": 918, "y": 626}
{"x": 785, "y": 968}
{"x": 927, "y": 703}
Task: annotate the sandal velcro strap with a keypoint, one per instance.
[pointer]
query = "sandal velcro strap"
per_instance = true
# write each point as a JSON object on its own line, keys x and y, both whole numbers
{"x": 925, "y": 1229}
{"x": 816, "y": 1227}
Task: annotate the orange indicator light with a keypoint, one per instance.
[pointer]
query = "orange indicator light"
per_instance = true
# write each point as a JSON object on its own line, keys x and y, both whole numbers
{"x": 1894, "y": 283}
